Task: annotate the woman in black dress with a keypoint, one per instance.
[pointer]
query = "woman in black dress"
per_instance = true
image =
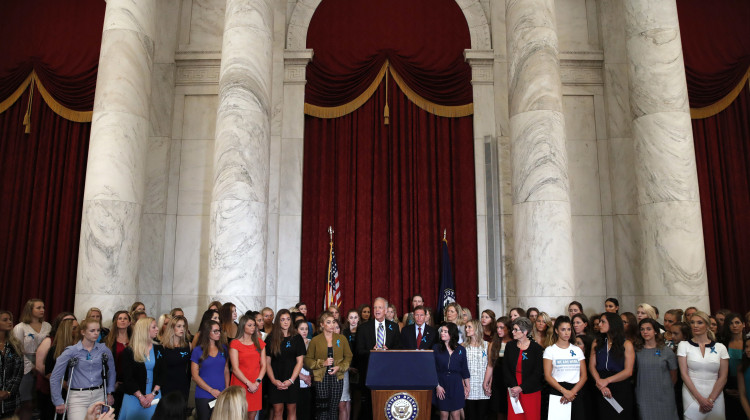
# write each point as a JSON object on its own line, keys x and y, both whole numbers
{"x": 284, "y": 358}
{"x": 494, "y": 376}
{"x": 176, "y": 357}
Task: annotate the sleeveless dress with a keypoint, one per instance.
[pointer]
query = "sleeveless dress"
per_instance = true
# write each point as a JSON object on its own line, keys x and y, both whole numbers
{"x": 249, "y": 359}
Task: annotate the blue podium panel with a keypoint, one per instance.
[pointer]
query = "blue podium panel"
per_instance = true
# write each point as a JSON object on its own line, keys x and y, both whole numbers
{"x": 401, "y": 369}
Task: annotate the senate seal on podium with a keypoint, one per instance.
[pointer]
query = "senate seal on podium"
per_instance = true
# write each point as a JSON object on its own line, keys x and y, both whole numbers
{"x": 401, "y": 406}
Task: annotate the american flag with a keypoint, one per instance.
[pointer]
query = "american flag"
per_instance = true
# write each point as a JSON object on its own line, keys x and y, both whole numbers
{"x": 333, "y": 285}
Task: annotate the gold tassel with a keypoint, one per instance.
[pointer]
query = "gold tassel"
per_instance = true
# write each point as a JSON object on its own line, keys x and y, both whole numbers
{"x": 386, "y": 111}
{"x": 27, "y": 117}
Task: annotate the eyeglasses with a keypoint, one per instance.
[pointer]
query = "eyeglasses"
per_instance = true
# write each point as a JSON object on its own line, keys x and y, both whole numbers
{"x": 516, "y": 330}
{"x": 215, "y": 331}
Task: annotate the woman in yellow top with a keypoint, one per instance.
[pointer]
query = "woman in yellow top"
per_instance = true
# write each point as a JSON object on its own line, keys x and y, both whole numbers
{"x": 328, "y": 357}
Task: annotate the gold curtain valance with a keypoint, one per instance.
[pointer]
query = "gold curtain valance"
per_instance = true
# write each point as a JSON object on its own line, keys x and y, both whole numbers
{"x": 31, "y": 82}
{"x": 348, "y": 108}
{"x": 723, "y": 103}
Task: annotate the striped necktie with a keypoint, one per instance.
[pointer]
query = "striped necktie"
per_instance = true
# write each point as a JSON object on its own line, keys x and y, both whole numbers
{"x": 381, "y": 336}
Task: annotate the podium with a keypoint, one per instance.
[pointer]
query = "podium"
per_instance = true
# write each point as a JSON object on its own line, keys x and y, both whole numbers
{"x": 402, "y": 382}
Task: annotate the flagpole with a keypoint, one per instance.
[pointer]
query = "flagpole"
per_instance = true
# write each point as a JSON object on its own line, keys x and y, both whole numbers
{"x": 328, "y": 274}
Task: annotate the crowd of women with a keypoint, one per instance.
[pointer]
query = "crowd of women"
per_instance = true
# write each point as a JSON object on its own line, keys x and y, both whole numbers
{"x": 266, "y": 364}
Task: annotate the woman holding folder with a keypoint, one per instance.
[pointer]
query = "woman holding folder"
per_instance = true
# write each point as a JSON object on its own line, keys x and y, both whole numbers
{"x": 611, "y": 366}
{"x": 565, "y": 371}
{"x": 523, "y": 371}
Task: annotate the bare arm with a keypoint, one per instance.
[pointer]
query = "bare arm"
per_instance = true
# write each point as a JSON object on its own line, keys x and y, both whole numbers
{"x": 195, "y": 373}
{"x": 234, "y": 357}
{"x": 721, "y": 380}
{"x": 41, "y": 355}
{"x": 627, "y": 372}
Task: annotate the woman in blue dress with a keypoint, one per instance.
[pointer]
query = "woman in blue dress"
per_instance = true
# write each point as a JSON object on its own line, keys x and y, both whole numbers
{"x": 453, "y": 373}
{"x": 143, "y": 368}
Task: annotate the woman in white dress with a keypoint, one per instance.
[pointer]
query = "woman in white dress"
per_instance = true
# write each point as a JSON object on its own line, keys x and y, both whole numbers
{"x": 704, "y": 365}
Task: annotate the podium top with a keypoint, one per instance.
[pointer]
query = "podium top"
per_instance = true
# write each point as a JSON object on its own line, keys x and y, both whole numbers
{"x": 401, "y": 369}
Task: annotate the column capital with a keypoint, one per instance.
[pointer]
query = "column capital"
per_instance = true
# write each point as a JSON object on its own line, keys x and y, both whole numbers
{"x": 481, "y": 62}
{"x": 295, "y": 63}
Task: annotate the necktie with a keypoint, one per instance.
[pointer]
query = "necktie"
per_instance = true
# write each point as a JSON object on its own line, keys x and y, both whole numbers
{"x": 381, "y": 336}
{"x": 419, "y": 337}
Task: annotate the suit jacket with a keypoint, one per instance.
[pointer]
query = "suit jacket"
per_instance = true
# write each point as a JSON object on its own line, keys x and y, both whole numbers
{"x": 366, "y": 337}
{"x": 409, "y": 337}
{"x": 366, "y": 341}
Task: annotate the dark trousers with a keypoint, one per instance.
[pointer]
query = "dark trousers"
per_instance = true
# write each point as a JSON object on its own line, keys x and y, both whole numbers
{"x": 202, "y": 410}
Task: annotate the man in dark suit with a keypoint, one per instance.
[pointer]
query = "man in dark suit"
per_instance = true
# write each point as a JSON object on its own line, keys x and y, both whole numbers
{"x": 376, "y": 334}
{"x": 418, "y": 335}
{"x": 367, "y": 334}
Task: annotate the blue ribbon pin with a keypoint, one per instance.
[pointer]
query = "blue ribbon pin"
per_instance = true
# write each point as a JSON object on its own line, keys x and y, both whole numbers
{"x": 572, "y": 353}
{"x": 459, "y": 351}
{"x": 658, "y": 352}
{"x": 713, "y": 349}
{"x": 390, "y": 327}
{"x": 288, "y": 344}
{"x": 338, "y": 343}
{"x": 183, "y": 353}
{"x": 484, "y": 353}
{"x": 158, "y": 354}
{"x": 424, "y": 339}
{"x": 525, "y": 357}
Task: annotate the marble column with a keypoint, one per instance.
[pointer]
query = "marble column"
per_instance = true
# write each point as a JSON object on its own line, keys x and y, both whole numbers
{"x": 542, "y": 241}
{"x": 673, "y": 261}
{"x": 489, "y": 266}
{"x": 239, "y": 202}
{"x": 115, "y": 174}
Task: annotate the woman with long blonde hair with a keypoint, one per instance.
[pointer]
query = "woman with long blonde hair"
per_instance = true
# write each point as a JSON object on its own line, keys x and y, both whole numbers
{"x": 543, "y": 330}
{"x": 144, "y": 371}
{"x": 477, "y": 402}
{"x": 176, "y": 357}
{"x": 231, "y": 404}
{"x": 454, "y": 313}
{"x": 704, "y": 366}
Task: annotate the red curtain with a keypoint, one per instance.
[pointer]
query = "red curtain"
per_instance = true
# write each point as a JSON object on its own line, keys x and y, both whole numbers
{"x": 716, "y": 47}
{"x": 388, "y": 190}
{"x": 43, "y": 172}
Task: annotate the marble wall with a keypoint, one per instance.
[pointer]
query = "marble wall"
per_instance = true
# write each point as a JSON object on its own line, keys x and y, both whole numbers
{"x": 174, "y": 232}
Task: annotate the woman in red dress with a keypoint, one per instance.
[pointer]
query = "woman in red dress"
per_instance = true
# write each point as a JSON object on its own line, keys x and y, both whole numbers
{"x": 248, "y": 356}
{"x": 523, "y": 371}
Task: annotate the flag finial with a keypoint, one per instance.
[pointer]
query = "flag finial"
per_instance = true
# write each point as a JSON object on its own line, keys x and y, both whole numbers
{"x": 330, "y": 232}
{"x": 445, "y": 233}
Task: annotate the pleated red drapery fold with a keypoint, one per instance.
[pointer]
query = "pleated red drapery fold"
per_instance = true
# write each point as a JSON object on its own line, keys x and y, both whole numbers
{"x": 388, "y": 190}
{"x": 716, "y": 47}
{"x": 43, "y": 171}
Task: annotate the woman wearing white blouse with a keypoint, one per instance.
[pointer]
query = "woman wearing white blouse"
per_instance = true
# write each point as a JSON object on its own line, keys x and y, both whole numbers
{"x": 704, "y": 365}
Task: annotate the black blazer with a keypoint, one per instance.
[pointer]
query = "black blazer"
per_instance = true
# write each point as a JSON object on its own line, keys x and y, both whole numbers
{"x": 134, "y": 373}
{"x": 366, "y": 341}
{"x": 532, "y": 368}
{"x": 409, "y": 337}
